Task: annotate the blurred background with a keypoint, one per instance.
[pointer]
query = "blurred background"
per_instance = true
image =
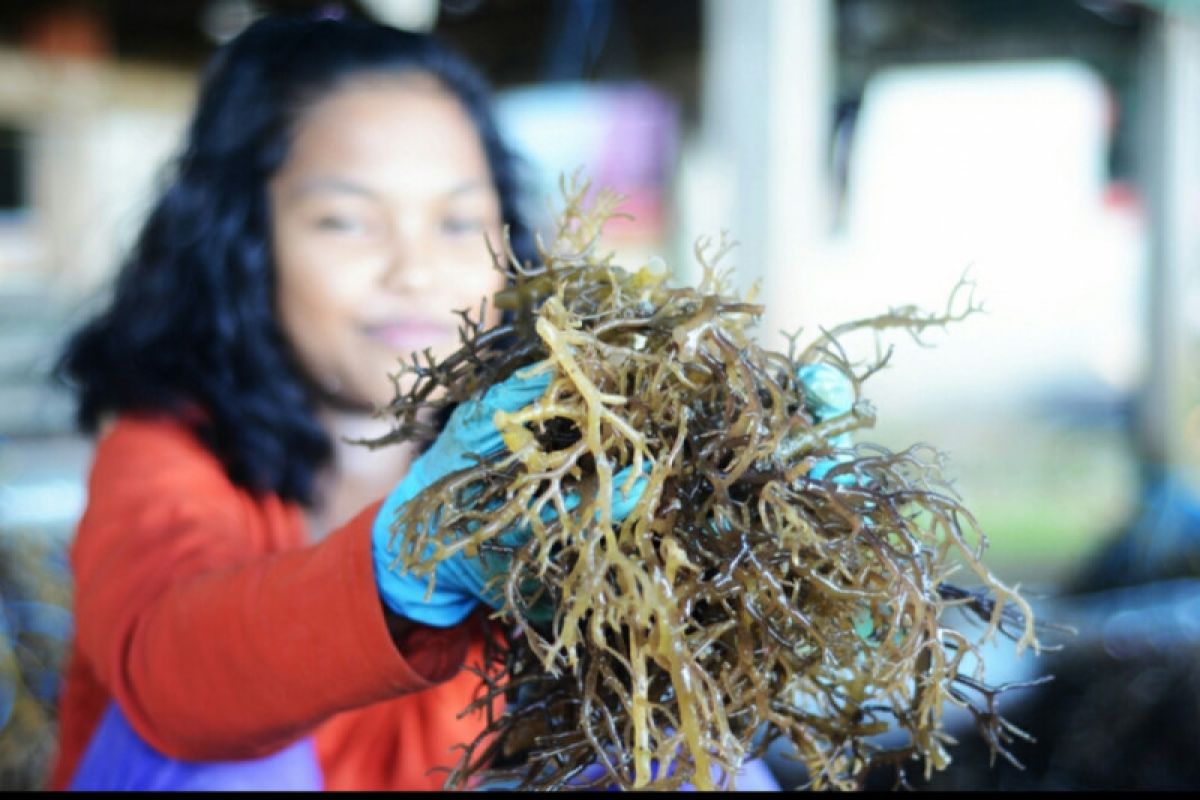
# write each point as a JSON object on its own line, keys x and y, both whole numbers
{"x": 864, "y": 154}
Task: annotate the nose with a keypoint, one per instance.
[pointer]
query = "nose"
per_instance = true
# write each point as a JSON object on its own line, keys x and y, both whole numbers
{"x": 410, "y": 266}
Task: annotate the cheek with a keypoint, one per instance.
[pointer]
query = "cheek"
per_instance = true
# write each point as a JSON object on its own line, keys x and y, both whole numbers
{"x": 473, "y": 284}
{"x": 313, "y": 306}
{"x": 314, "y": 279}
{"x": 297, "y": 299}
{"x": 476, "y": 277}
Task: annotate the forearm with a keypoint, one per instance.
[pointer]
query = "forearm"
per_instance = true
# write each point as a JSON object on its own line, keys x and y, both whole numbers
{"x": 237, "y": 661}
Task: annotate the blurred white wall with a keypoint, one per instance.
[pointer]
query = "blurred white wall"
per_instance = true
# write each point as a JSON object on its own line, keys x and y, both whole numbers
{"x": 98, "y": 134}
{"x": 1000, "y": 169}
{"x": 92, "y": 137}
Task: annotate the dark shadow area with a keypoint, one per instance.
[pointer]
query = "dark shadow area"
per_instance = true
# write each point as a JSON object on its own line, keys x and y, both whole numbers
{"x": 1123, "y": 709}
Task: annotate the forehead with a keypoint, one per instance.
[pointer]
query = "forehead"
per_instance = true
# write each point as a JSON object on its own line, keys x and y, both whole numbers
{"x": 397, "y": 131}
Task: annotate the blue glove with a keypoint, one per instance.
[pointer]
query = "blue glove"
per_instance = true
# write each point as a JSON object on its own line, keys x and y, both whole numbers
{"x": 828, "y": 394}
{"x": 460, "y": 580}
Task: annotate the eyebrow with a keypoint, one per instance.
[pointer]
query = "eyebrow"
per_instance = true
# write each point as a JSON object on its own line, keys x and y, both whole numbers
{"x": 334, "y": 184}
{"x": 468, "y": 186}
{"x": 331, "y": 184}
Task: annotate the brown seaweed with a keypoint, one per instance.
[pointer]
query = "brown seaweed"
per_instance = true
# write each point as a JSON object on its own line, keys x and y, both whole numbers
{"x": 743, "y": 599}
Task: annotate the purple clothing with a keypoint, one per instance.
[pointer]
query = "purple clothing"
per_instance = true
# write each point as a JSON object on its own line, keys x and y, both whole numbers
{"x": 117, "y": 759}
{"x": 754, "y": 776}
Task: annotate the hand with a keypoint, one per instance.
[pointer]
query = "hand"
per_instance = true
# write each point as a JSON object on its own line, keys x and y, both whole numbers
{"x": 460, "y": 581}
{"x": 829, "y": 394}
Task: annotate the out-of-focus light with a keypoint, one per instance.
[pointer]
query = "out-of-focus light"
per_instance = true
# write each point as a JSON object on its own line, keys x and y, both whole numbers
{"x": 870, "y": 23}
{"x": 52, "y": 502}
{"x": 331, "y": 11}
{"x": 409, "y": 15}
{"x": 1191, "y": 430}
{"x": 1000, "y": 167}
{"x": 1182, "y": 7}
{"x": 222, "y": 20}
{"x": 1118, "y": 12}
{"x": 461, "y": 8}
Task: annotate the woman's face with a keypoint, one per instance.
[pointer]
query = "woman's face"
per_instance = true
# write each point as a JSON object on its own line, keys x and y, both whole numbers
{"x": 378, "y": 222}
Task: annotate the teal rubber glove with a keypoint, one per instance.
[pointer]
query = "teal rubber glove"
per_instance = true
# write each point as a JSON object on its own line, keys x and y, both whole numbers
{"x": 460, "y": 581}
{"x": 829, "y": 394}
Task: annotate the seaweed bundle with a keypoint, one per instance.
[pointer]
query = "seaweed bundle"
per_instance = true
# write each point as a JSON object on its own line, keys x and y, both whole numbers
{"x": 744, "y": 598}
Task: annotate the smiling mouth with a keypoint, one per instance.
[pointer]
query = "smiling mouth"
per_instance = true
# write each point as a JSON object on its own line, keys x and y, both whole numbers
{"x": 410, "y": 335}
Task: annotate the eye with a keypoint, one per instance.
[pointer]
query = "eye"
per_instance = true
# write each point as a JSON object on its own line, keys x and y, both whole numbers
{"x": 459, "y": 225}
{"x": 340, "y": 223}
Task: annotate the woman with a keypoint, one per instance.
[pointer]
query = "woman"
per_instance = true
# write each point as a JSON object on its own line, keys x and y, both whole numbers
{"x": 237, "y": 622}
{"x": 325, "y": 218}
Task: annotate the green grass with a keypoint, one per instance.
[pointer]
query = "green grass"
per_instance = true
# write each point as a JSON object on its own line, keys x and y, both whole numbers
{"x": 1042, "y": 543}
{"x": 1046, "y": 497}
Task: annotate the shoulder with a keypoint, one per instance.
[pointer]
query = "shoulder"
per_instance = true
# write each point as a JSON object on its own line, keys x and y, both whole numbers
{"x": 153, "y": 480}
{"x": 154, "y": 432}
{"x": 153, "y": 449}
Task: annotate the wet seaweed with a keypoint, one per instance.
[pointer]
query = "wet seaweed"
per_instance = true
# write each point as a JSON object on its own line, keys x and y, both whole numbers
{"x": 744, "y": 598}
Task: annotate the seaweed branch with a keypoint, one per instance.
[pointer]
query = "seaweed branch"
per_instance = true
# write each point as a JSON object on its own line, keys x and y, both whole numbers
{"x": 743, "y": 594}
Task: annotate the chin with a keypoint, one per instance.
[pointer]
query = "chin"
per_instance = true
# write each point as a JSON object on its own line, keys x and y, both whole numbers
{"x": 382, "y": 396}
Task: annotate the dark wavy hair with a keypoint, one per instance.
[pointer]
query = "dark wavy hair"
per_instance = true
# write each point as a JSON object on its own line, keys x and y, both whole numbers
{"x": 192, "y": 322}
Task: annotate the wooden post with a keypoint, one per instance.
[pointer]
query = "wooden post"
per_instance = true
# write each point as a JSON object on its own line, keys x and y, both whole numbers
{"x": 1170, "y": 157}
{"x": 766, "y": 113}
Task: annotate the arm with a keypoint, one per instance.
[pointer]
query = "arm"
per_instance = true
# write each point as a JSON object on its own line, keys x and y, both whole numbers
{"x": 217, "y": 643}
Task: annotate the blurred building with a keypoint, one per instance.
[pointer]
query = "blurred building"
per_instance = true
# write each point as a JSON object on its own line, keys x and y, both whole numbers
{"x": 863, "y": 152}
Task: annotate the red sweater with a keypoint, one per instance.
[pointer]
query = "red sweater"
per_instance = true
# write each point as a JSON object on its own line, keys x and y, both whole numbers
{"x": 223, "y": 633}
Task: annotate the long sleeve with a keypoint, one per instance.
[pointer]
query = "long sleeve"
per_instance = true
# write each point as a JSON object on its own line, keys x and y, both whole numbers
{"x": 200, "y": 612}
